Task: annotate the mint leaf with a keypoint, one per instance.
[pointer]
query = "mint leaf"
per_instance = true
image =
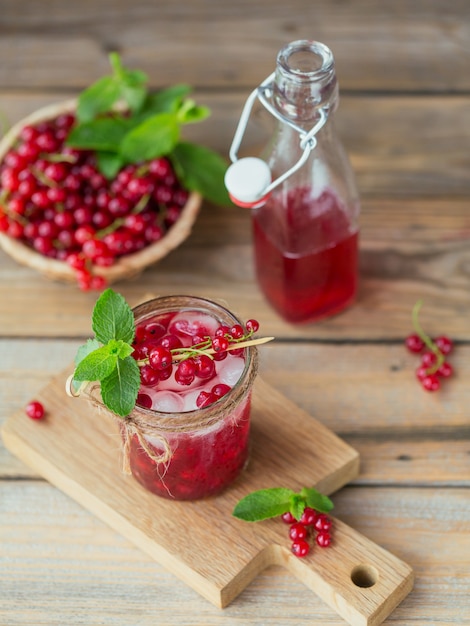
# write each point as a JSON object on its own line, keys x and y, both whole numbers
{"x": 97, "y": 99}
{"x": 119, "y": 390}
{"x": 109, "y": 163}
{"x": 266, "y": 503}
{"x": 297, "y": 506}
{"x": 101, "y": 134}
{"x": 120, "y": 348}
{"x": 150, "y": 129}
{"x": 263, "y": 504}
{"x": 85, "y": 349}
{"x": 151, "y": 139}
{"x": 316, "y": 500}
{"x": 167, "y": 100}
{"x": 96, "y": 366}
{"x": 200, "y": 169}
{"x": 113, "y": 318}
{"x": 189, "y": 112}
{"x": 134, "y": 95}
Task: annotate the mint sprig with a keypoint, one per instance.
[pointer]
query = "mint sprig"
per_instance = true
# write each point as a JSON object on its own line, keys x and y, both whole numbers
{"x": 112, "y": 318}
{"x": 266, "y": 503}
{"x": 124, "y": 123}
{"x": 107, "y": 357}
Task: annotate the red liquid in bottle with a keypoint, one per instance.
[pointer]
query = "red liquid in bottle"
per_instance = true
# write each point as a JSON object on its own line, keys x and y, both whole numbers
{"x": 306, "y": 255}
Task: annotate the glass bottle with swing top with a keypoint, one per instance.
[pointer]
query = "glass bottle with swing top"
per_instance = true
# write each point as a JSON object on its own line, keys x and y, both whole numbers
{"x": 302, "y": 192}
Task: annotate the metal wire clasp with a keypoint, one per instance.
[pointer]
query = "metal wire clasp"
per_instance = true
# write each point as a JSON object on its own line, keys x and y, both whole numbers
{"x": 307, "y": 138}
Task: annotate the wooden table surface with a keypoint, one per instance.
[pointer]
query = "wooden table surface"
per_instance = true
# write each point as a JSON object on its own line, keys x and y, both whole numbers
{"x": 405, "y": 120}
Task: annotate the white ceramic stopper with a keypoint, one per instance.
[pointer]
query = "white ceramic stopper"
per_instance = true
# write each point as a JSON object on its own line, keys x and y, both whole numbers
{"x": 246, "y": 180}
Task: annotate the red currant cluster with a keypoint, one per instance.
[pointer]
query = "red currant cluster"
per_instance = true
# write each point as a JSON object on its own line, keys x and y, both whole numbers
{"x": 311, "y": 522}
{"x": 54, "y": 199}
{"x": 433, "y": 365}
{"x": 161, "y": 354}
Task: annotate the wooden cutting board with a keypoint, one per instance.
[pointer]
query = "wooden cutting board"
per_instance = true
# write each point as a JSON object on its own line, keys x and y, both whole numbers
{"x": 78, "y": 450}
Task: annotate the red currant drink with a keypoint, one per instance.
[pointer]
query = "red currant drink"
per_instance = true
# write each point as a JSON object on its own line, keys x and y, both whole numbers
{"x": 199, "y": 409}
{"x": 306, "y": 255}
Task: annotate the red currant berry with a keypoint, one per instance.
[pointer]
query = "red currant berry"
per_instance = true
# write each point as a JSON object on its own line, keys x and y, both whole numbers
{"x": 414, "y": 343}
{"x": 237, "y": 331}
{"x": 144, "y": 400}
{"x": 205, "y": 367}
{"x": 185, "y": 372}
{"x": 309, "y": 517}
{"x": 297, "y": 531}
{"x": 15, "y": 230}
{"x": 445, "y": 370}
{"x": 93, "y": 248}
{"x": 428, "y": 359}
{"x": 444, "y": 344}
{"x": 149, "y": 376}
{"x": 84, "y": 233}
{"x": 166, "y": 372}
{"x": 83, "y": 279}
{"x": 160, "y": 168}
{"x": 300, "y": 548}
{"x": 154, "y": 330}
{"x": 17, "y": 205}
{"x": 431, "y": 383}
{"x": 76, "y": 261}
{"x": 323, "y": 523}
{"x": 160, "y": 358}
{"x": 98, "y": 283}
{"x": 220, "y": 344}
{"x": 220, "y": 390}
{"x": 288, "y": 518}
{"x": 252, "y": 326}
{"x": 35, "y": 410}
{"x": 421, "y": 372}
{"x": 323, "y": 539}
{"x": 205, "y": 399}
{"x": 171, "y": 342}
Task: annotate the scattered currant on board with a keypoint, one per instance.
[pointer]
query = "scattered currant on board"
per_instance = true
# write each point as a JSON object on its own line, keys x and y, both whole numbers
{"x": 305, "y": 513}
{"x": 434, "y": 365}
{"x": 35, "y": 410}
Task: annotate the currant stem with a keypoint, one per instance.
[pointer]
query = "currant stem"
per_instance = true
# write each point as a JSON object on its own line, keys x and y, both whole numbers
{"x": 426, "y": 339}
{"x": 45, "y": 180}
{"x": 119, "y": 221}
{"x": 185, "y": 353}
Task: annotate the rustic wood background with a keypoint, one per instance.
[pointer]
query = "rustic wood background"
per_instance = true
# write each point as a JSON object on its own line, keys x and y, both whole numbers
{"x": 404, "y": 116}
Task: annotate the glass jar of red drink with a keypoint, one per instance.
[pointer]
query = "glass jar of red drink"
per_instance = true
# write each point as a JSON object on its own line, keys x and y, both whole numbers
{"x": 203, "y": 450}
{"x": 306, "y": 207}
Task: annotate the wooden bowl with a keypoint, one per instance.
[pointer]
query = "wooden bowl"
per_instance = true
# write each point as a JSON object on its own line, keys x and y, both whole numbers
{"x": 124, "y": 267}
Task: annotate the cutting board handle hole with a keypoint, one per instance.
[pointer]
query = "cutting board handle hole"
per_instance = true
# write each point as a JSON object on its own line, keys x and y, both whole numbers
{"x": 364, "y": 576}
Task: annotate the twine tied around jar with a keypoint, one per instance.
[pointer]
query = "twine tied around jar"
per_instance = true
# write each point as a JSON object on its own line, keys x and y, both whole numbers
{"x": 133, "y": 424}
{"x": 156, "y": 425}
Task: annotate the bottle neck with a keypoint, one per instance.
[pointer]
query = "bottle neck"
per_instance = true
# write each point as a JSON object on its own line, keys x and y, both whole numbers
{"x": 305, "y": 81}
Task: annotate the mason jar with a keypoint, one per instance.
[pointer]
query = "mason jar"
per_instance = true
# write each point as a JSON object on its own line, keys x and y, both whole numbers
{"x": 180, "y": 451}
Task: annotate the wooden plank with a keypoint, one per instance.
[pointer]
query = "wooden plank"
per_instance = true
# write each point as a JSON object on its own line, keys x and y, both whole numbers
{"x": 77, "y": 570}
{"x": 415, "y": 439}
{"x": 378, "y": 46}
{"x": 410, "y": 250}
{"x": 403, "y": 462}
{"x": 371, "y": 390}
{"x": 400, "y": 147}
